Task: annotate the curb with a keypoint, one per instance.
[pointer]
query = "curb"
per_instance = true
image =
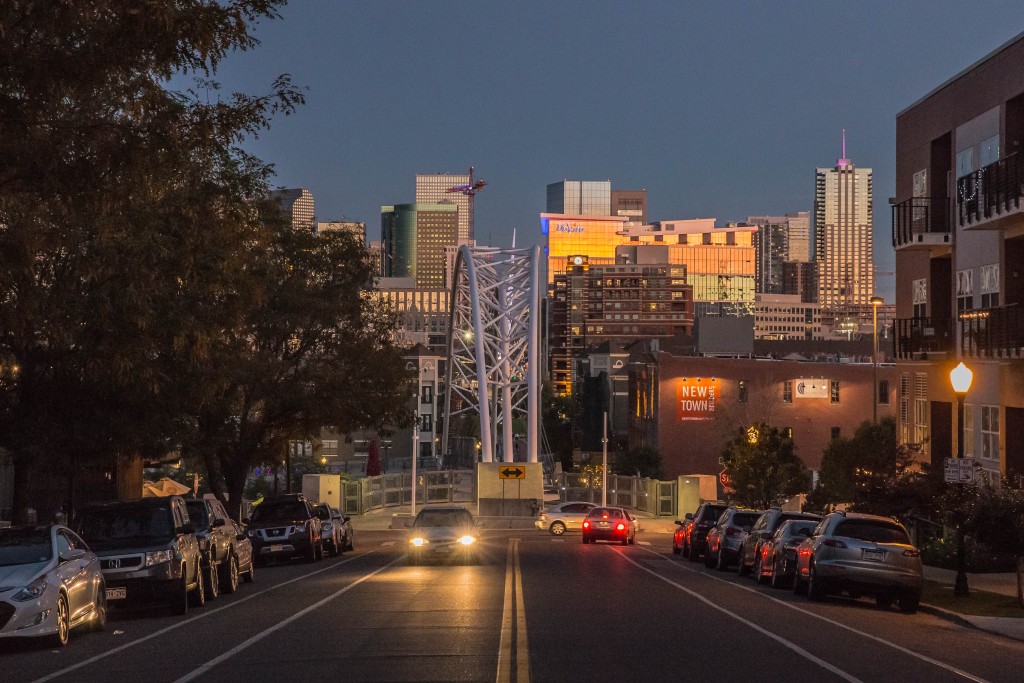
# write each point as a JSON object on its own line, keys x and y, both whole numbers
{"x": 961, "y": 620}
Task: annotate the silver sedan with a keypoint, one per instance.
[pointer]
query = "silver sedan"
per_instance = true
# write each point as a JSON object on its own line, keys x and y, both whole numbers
{"x": 564, "y": 517}
{"x": 50, "y": 583}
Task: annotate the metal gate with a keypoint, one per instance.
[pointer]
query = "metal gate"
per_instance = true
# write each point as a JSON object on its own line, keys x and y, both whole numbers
{"x": 637, "y": 493}
{"x": 390, "y": 490}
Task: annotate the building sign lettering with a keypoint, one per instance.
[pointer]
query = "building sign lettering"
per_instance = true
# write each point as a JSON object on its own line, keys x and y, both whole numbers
{"x": 696, "y": 398}
{"x": 569, "y": 227}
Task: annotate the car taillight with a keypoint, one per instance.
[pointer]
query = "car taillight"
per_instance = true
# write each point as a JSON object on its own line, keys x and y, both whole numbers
{"x": 620, "y": 527}
{"x": 833, "y": 543}
{"x": 805, "y": 552}
{"x": 586, "y": 525}
{"x": 764, "y": 552}
{"x": 910, "y": 552}
{"x": 732, "y": 531}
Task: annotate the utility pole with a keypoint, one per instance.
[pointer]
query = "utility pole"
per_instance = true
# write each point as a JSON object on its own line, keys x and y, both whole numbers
{"x": 604, "y": 463}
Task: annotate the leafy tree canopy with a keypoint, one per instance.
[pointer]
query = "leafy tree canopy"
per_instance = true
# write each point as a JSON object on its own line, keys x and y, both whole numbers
{"x": 763, "y": 467}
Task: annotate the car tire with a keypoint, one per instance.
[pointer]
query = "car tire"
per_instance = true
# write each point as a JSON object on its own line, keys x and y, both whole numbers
{"x": 709, "y": 561}
{"x": 230, "y": 581}
{"x": 413, "y": 559}
{"x": 692, "y": 554}
{"x": 758, "y": 572}
{"x": 883, "y": 601}
{"x": 348, "y": 543}
{"x": 632, "y": 540}
{"x": 815, "y": 588}
{"x": 625, "y": 540}
{"x": 63, "y": 634}
{"x": 198, "y": 595}
{"x": 798, "y": 583}
{"x": 557, "y": 528}
{"x": 180, "y": 599}
{"x": 776, "y": 575}
{"x": 676, "y": 550}
{"x": 585, "y": 539}
{"x": 909, "y": 602}
{"x": 212, "y": 580}
{"x": 721, "y": 564}
{"x": 311, "y": 553}
{"x": 741, "y": 567}
{"x": 98, "y": 623}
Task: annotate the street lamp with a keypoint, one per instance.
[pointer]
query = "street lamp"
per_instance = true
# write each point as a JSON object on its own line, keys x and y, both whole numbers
{"x": 876, "y": 301}
{"x": 960, "y": 377}
{"x": 604, "y": 463}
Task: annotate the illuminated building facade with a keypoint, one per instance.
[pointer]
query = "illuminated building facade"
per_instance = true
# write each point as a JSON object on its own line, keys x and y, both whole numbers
{"x": 355, "y": 228}
{"x": 414, "y": 237}
{"x": 433, "y": 189}
{"x": 780, "y": 239}
{"x": 297, "y": 203}
{"x": 423, "y": 314}
{"x": 843, "y": 235}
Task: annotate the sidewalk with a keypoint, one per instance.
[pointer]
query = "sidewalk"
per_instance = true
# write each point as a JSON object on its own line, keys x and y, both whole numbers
{"x": 1000, "y": 584}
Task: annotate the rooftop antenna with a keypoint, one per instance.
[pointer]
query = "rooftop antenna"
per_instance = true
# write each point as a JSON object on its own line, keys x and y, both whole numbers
{"x": 843, "y": 161}
{"x": 513, "y": 238}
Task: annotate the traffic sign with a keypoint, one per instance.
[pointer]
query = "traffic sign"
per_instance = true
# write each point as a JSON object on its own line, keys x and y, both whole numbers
{"x": 512, "y": 473}
{"x": 958, "y": 470}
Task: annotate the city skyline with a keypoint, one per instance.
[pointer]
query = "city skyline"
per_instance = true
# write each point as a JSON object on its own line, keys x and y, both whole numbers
{"x": 719, "y": 111}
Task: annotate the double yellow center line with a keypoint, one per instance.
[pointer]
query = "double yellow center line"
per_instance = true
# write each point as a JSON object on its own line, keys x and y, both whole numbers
{"x": 513, "y": 655}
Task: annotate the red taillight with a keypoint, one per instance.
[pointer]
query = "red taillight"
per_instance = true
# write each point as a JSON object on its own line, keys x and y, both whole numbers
{"x": 764, "y": 552}
{"x": 732, "y": 531}
{"x": 910, "y": 552}
{"x": 620, "y": 527}
{"x": 604, "y": 516}
{"x": 586, "y": 525}
{"x": 833, "y": 543}
{"x": 805, "y": 552}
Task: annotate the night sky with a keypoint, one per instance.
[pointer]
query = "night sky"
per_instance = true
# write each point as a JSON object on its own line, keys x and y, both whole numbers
{"x": 719, "y": 109}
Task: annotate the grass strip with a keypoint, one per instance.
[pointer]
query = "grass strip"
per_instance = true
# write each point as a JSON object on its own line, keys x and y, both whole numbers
{"x": 979, "y": 604}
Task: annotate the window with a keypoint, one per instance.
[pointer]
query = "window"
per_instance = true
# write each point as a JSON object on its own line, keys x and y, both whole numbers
{"x": 787, "y": 432}
{"x": 920, "y": 407}
{"x": 743, "y": 391}
{"x": 968, "y": 430}
{"x": 787, "y": 391}
{"x": 833, "y": 386}
{"x": 426, "y": 421}
{"x": 427, "y": 395}
{"x": 883, "y": 392}
{"x": 835, "y": 433}
{"x": 990, "y": 432}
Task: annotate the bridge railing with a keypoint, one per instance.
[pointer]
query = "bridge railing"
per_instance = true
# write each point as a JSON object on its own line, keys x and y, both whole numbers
{"x": 394, "y": 489}
{"x": 637, "y": 493}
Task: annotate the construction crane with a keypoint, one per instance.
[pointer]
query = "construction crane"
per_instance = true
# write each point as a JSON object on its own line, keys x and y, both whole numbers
{"x": 470, "y": 189}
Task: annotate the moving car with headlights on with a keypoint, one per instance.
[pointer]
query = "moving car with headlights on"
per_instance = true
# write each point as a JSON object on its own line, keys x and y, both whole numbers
{"x": 860, "y": 554}
{"x": 50, "y": 583}
{"x": 446, "y": 532}
{"x": 147, "y": 549}
{"x": 285, "y": 526}
{"x": 609, "y": 524}
{"x": 778, "y": 555}
{"x": 564, "y": 517}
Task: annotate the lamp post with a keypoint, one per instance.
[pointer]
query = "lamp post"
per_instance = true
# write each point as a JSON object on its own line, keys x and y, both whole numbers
{"x": 604, "y": 463}
{"x": 960, "y": 377}
{"x": 876, "y": 301}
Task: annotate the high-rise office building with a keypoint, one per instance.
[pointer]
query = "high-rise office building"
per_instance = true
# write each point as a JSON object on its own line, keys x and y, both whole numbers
{"x": 358, "y": 229}
{"x": 843, "y": 234}
{"x": 413, "y": 241}
{"x": 434, "y": 189}
{"x": 630, "y": 203}
{"x": 580, "y": 198}
{"x": 780, "y": 239}
{"x": 298, "y": 203}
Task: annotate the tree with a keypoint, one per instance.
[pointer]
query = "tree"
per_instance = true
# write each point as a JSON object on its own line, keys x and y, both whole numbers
{"x": 643, "y": 461}
{"x": 763, "y": 467}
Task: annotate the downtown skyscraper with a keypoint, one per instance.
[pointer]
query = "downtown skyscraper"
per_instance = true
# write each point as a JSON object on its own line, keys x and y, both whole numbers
{"x": 843, "y": 235}
{"x": 435, "y": 188}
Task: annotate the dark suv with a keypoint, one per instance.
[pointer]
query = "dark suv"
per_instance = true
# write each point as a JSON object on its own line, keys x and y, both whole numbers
{"x": 285, "y": 526}
{"x": 764, "y": 528}
{"x": 217, "y": 538}
{"x": 702, "y": 521}
{"x": 726, "y": 537}
{"x": 147, "y": 550}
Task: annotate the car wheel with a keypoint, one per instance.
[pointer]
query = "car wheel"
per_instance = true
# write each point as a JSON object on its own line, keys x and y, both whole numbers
{"x": 311, "y": 553}
{"x": 741, "y": 567}
{"x": 692, "y": 554}
{"x": 558, "y": 528}
{"x": 179, "y": 603}
{"x": 776, "y": 575}
{"x": 348, "y": 543}
{"x": 250, "y": 575}
{"x": 414, "y": 559}
{"x": 883, "y": 601}
{"x": 585, "y": 539}
{"x": 625, "y": 540}
{"x": 909, "y": 603}
{"x": 632, "y": 540}
{"x": 709, "y": 561}
{"x": 721, "y": 564}
{"x": 676, "y": 550}
{"x": 199, "y": 592}
{"x": 231, "y": 577}
{"x": 99, "y": 617}
{"x": 60, "y": 638}
{"x": 758, "y": 571}
{"x": 798, "y": 583}
{"x": 815, "y": 589}
{"x": 213, "y": 581}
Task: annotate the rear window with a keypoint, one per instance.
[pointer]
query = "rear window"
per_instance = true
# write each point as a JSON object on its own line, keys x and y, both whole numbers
{"x": 793, "y": 527}
{"x": 742, "y": 519}
{"x": 711, "y": 512}
{"x": 601, "y": 513}
{"x": 872, "y": 531}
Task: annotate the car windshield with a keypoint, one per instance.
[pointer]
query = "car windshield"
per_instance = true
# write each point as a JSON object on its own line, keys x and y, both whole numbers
{"x": 872, "y": 531}
{"x": 278, "y": 512}
{"x": 443, "y": 518}
{"x": 120, "y": 527}
{"x": 323, "y": 513}
{"x": 24, "y": 546}
{"x": 197, "y": 515}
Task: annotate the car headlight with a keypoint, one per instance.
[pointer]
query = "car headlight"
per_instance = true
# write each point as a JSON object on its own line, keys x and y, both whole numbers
{"x": 158, "y": 556}
{"x": 250, "y": 534}
{"x": 299, "y": 528}
{"x": 31, "y": 591}
{"x": 418, "y": 541}
{"x": 467, "y": 540}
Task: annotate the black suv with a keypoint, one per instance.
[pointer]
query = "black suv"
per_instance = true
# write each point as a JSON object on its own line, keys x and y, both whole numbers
{"x": 285, "y": 526}
{"x": 217, "y": 538}
{"x": 763, "y": 530}
{"x": 703, "y": 519}
{"x": 147, "y": 550}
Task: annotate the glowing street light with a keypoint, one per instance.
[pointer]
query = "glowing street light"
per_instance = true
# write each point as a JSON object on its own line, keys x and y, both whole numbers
{"x": 960, "y": 377}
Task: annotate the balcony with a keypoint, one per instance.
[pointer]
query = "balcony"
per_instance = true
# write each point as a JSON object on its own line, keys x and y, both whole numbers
{"x": 986, "y": 198}
{"x": 921, "y": 223}
{"x": 992, "y": 332}
{"x": 922, "y": 338}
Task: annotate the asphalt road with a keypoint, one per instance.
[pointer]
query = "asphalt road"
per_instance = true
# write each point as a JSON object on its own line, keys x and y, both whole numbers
{"x": 536, "y": 608}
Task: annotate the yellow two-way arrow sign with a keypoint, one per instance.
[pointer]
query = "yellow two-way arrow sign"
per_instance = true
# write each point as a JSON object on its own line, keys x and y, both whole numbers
{"x": 512, "y": 473}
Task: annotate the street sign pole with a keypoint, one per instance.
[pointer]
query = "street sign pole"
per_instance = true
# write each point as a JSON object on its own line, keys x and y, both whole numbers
{"x": 604, "y": 463}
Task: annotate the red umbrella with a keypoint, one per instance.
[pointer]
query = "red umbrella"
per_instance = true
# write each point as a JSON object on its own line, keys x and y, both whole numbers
{"x": 373, "y": 459}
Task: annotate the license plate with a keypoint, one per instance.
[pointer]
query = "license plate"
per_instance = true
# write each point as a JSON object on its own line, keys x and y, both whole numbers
{"x": 276, "y": 548}
{"x": 443, "y": 549}
{"x": 874, "y": 555}
{"x": 117, "y": 593}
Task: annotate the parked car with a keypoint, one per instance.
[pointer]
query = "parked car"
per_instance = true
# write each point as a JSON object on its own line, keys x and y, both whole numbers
{"x": 285, "y": 526}
{"x": 696, "y": 539}
{"x": 564, "y": 517}
{"x": 443, "y": 532}
{"x": 147, "y": 550}
{"x": 216, "y": 537}
{"x": 725, "y": 538}
{"x": 609, "y": 524}
{"x": 50, "y": 583}
{"x": 778, "y": 555}
{"x": 860, "y": 554}
{"x": 762, "y": 532}
{"x": 681, "y": 532}
{"x": 333, "y": 534}
{"x": 243, "y": 551}
{"x": 344, "y": 522}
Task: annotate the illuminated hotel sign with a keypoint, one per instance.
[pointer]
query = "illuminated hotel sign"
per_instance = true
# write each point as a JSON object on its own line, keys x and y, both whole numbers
{"x": 696, "y": 398}
{"x": 569, "y": 227}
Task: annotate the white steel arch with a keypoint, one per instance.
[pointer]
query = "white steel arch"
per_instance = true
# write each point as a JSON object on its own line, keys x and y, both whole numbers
{"x": 494, "y": 346}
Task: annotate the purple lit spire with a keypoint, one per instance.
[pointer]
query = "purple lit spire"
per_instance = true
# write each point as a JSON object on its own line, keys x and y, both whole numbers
{"x": 843, "y": 161}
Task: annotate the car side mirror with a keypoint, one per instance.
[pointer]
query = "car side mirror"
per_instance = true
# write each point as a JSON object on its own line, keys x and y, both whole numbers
{"x": 187, "y": 529}
{"x": 69, "y": 555}
{"x": 766, "y": 534}
{"x": 688, "y": 515}
{"x": 679, "y": 522}
{"x": 240, "y": 537}
{"x": 217, "y": 523}
{"x": 346, "y": 518}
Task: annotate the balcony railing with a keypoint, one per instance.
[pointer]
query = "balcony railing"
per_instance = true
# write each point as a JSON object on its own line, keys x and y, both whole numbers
{"x": 918, "y": 338}
{"x": 992, "y": 332}
{"x": 994, "y": 190}
{"x": 921, "y": 220}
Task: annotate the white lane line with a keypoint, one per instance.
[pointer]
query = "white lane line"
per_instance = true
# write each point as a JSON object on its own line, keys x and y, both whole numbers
{"x": 385, "y": 544}
{"x": 918, "y": 655}
{"x": 179, "y": 624}
{"x": 779, "y": 639}
{"x": 281, "y": 624}
{"x": 643, "y": 542}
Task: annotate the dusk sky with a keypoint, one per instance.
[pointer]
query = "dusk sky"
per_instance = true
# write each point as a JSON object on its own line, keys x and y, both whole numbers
{"x": 719, "y": 109}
